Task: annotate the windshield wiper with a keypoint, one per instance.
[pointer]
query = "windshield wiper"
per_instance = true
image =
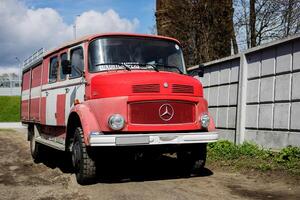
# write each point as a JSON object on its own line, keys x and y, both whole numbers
{"x": 148, "y": 64}
{"x": 119, "y": 64}
{"x": 168, "y": 66}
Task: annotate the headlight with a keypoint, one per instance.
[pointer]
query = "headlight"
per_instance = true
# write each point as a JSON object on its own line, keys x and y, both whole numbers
{"x": 204, "y": 120}
{"x": 116, "y": 122}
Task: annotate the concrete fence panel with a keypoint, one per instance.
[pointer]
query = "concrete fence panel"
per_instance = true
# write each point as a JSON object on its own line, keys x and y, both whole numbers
{"x": 255, "y": 96}
{"x": 14, "y": 91}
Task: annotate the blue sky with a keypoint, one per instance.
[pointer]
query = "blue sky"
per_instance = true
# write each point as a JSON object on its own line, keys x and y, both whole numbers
{"x": 143, "y": 10}
{"x": 49, "y": 23}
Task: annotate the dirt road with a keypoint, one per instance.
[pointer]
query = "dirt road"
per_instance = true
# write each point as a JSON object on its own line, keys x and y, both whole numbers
{"x": 20, "y": 178}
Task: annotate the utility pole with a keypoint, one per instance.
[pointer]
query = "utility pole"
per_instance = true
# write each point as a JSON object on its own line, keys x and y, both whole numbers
{"x": 20, "y": 71}
{"x": 74, "y": 30}
{"x": 74, "y": 27}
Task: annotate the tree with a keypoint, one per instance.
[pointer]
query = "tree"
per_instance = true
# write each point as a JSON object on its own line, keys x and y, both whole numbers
{"x": 204, "y": 27}
{"x": 260, "y": 21}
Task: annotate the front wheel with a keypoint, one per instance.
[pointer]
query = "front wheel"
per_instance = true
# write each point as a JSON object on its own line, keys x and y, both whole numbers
{"x": 192, "y": 158}
{"x": 84, "y": 165}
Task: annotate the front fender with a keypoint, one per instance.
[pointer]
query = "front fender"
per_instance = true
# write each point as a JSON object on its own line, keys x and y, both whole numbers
{"x": 211, "y": 127}
{"x": 203, "y": 107}
{"x": 88, "y": 120}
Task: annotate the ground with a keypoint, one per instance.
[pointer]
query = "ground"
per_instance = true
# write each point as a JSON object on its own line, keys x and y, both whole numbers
{"x": 21, "y": 178}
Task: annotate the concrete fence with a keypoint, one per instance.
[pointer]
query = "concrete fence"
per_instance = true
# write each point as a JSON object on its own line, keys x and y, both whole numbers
{"x": 13, "y": 91}
{"x": 255, "y": 96}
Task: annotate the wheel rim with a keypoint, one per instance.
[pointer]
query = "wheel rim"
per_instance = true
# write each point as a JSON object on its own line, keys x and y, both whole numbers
{"x": 32, "y": 144}
{"x": 76, "y": 155}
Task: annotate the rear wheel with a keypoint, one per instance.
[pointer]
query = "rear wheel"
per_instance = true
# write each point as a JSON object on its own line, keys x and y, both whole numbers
{"x": 36, "y": 149}
{"x": 192, "y": 158}
{"x": 84, "y": 165}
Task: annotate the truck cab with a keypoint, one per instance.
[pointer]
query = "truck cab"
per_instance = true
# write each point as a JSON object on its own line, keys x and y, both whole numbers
{"x": 116, "y": 91}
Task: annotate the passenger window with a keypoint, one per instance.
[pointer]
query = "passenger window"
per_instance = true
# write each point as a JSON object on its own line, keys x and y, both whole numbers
{"x": 63, "y": 56}
{"x": 77, "y": 63}
{"x": 53, "y": 69}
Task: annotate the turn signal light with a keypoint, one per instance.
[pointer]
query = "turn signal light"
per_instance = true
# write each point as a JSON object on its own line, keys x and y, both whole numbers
{"x": 76, "y": 101}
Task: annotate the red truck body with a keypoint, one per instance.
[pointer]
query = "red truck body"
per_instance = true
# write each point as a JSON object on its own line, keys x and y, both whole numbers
{"x": 149, "y": 105}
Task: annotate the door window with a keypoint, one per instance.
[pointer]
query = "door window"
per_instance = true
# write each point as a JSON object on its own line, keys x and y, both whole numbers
{"x": 63, "y": 56}
{"x": 53, "y": 69}
{"x": 77, "y": 64}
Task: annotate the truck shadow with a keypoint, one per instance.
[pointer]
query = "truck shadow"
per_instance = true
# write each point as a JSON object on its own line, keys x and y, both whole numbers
{"x": 163, "y": 168}
{"x": 121, "y": 170}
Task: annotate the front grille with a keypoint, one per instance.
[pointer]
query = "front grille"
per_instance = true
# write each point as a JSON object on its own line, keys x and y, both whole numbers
{"x": 150, "y": 112}
{"x": 177, "y": 88}
{"x": 146, "y": 88}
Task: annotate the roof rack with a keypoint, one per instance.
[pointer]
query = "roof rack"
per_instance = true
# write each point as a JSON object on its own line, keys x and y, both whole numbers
{"x": 34, "y": 58}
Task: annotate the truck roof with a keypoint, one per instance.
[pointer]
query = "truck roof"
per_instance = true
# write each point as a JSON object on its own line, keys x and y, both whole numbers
{"x": 93, "y": 36}
{"x": 38, "y": 56}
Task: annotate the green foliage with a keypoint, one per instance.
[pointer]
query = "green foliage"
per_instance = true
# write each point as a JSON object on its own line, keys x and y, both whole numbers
{"x": 251, "y": 156}
{"x": 9, "y": 108}
{"x": 224, "y": 149}
{"x": 288, "y": 154}
{"x": 264, "y": 167}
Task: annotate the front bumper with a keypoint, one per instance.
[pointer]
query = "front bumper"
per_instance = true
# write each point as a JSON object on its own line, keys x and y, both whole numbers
{"x": 98, "y": 139}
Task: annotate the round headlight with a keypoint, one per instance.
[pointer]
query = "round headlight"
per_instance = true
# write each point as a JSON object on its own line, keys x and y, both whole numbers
{"x": 116, "y": 122}
{"x": 204, "y": 120}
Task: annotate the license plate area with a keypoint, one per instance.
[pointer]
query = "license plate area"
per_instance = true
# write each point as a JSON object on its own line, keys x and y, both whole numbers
{"x": 137, "y": 140}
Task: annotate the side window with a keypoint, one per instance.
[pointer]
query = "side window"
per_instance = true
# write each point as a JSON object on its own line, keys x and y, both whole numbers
{"x": 63, "y": 56}
{"x": 77, "y": 63}
{"x": 53, "y": 69}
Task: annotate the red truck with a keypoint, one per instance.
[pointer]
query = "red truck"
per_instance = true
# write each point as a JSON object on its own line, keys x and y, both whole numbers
{"x": 115, "y": 91}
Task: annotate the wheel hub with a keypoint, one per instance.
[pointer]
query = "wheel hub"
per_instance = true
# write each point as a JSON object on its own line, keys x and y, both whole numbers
{"x": 76, "y": 154}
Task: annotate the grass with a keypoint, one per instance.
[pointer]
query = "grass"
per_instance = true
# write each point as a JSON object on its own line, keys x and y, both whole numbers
{"x": 250, "y": 156}
{"x": 9, "y": 108}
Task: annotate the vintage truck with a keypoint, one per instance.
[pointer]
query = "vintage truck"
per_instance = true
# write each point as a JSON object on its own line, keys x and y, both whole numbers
{"x": 115, "y": 91}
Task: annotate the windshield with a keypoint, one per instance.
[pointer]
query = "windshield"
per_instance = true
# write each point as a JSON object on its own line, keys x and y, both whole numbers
{"x": 135, "y": 53}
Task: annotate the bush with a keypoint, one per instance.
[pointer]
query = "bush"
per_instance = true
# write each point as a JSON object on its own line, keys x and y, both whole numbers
{"x": 224, "y": 149}
{"x": 249, "y": 155}
{"x": 288, "y": 154}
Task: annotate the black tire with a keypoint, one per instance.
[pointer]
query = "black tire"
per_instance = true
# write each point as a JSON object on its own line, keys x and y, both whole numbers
{"x": 84, "y": 165}
{"x": 192, "y": 158}
{"x": 36, "y": 149}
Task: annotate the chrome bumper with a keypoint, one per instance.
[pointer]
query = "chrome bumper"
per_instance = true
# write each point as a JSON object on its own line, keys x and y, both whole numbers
{"x": 98, "y": 139}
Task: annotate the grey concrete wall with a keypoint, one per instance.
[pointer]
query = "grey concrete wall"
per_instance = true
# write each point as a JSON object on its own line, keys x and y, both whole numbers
{"x": 255, "y": 96}
{"x": 220, "y": 84}
{"x": 14, "y": 91}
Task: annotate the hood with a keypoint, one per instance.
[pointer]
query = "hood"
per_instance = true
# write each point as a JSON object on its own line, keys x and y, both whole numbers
{"x": 129, "y": 83}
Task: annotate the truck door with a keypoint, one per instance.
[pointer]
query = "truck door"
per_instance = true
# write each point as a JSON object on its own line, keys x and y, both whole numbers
{"x": 76, "y": 88}
{"x": 51, "y": 92}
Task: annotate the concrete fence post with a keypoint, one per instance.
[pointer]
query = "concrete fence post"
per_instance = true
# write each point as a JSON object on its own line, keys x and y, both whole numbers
{"x": 242, "y": 98}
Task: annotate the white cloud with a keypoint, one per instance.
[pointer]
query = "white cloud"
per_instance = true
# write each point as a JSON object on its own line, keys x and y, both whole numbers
{"x": 24, "y": 30}
{"x": 9, "y": 70}
{"x": 109, "y": 21}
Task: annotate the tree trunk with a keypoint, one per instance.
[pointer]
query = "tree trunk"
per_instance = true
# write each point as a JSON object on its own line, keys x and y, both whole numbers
{"x": 233, "y": 36}
{"x": 252, "y": 23}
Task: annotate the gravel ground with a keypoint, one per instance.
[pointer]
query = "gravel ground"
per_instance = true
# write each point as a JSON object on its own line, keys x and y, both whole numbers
{"x": 21, "y": 178}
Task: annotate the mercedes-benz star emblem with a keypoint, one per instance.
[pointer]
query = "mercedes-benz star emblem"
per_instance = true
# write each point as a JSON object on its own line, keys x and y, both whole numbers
{"x": 166, "y": 112}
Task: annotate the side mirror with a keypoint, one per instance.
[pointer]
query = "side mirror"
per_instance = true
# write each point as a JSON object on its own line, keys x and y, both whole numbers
{"x": 66, "y": 67}
{"x": 197, "y": 72}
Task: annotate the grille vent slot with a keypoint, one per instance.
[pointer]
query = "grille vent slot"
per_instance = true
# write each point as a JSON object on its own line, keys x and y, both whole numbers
{"x": 177, "y": 88}
{"x": 146, "y": 88}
